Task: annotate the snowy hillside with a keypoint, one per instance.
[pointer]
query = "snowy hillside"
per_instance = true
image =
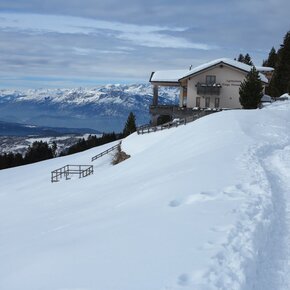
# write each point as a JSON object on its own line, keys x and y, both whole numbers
{"x": 204, "y": 206}
{"x": 104, "y": 108}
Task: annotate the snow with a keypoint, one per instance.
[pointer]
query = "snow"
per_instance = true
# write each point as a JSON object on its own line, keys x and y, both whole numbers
{"x": 203, "y": 206}
{"x": 264, "y": 68}
{"x": 266, "y": 98}
{"x": 168, "y": 75}
{"x": 284, "y": 97}
{"x": 176, "y": 75}
{"x": 106, "y": 94}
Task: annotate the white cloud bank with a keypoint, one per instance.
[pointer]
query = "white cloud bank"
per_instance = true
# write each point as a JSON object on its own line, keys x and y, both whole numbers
{"x": 142, "y": 35}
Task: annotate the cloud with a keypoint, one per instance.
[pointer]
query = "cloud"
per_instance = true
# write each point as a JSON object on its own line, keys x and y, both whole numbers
{"x": 109, "y": 40}
{"x": 161, "y": 40}
{"x": 142, "y": 35}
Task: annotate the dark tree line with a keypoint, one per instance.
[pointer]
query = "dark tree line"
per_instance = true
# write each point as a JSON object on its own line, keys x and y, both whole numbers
{"x": 245, "y": 59}
{"x": 91, "y": 142}
{"x": 250, "y": 90}
{"x": 38, "y": 151}
{"x": 280, "y": 61}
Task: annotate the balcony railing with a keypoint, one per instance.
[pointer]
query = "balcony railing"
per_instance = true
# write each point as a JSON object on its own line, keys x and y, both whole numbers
{"x": 208, "y": 89}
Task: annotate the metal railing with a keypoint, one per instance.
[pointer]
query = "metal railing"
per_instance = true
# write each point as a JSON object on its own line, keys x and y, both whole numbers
{"x": 67, "y": 170}
{"x": 172, "y": 124}
{"x": 106, "y": 151}
{"x": 208, "y": 89}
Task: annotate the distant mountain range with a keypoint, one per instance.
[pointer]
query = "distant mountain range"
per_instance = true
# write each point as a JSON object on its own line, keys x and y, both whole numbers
{"x": 104, "y": 108}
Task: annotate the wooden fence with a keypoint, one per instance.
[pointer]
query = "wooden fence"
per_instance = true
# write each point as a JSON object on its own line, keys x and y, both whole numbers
{"x": 67, "y": 170}
{"x": 106, "y": 151}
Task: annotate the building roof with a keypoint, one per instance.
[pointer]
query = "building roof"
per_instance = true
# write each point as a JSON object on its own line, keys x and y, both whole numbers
{"x": 168, "y": 75}
{"x": 177, "y": 75}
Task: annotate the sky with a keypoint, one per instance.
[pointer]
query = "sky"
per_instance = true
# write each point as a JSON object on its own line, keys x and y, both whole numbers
{"x": 73, "y": 43}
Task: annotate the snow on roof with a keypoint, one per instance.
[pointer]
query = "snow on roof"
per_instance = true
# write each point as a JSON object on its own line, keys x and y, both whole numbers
{"x": 177, "y": 75}
{"x": 168, "y": 75}
{"x": 264, "y": 68}
{"x": 228, "y": 61}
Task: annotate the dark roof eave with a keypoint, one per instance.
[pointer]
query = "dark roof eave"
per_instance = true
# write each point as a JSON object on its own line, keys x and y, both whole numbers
{"x": 151, "y": 76}
{"x": 165, "y": 82}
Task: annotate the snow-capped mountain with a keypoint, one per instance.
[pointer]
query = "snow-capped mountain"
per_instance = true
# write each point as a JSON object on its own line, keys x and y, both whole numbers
{"x": 104, "y": 108}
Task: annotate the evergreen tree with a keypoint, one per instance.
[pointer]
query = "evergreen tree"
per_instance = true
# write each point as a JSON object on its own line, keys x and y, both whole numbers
{"x": 251, "y": 90}
{"x": 10, "y": 160}
{"x": 248, "y": 60}
{"x": 130, "y": 126}
{"x": 18, "y": 159}
{"x": 245, "y": 59}
{"x": 241, "y": 58}
{"x": 280, "y": 82}
{"x": 272, "y": 59}
{"x": 91, "y": 142}
{"x": 38, "y": 151}
{"x": 271, "y": 62}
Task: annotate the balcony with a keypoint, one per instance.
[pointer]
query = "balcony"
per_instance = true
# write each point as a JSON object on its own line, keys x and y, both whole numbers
{"x": 208, "y": 89}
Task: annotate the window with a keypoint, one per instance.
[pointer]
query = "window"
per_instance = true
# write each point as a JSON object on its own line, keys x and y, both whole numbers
{"x": 207, "y": 101}
{"x": 216, "y": 102}
{"x": 210, "y": 80}
{"x": 197, "y": 101}
{"x": 184, "y": 101}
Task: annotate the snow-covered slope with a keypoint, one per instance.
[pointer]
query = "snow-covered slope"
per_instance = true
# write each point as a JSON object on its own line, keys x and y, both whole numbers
{"x": 103, "y": 108}
{"x": 202, "y": 206}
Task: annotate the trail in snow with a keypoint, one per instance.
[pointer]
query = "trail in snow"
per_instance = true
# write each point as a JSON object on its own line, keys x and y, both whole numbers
{"x": 256, "y": 255}
{"x": 274, "y": 260}
{"x": 235, "y": 267}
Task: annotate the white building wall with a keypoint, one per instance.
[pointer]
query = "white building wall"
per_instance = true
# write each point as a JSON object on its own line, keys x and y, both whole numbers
{"x": 230, "y": 80}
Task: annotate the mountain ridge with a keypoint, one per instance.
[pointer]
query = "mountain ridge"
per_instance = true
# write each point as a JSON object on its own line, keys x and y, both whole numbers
{"x": 103, "y": 108}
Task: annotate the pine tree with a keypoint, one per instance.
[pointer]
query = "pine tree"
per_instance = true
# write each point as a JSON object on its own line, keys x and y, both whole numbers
{"x": 130, "y": 126}
{"x": 248, "y": 60}
{"x": 272, "y": 59}
{"x": 280, "y": 82}
{"x": 251, "y": 90}
{"x": 245, "y": 59}
{"x": 241, "y": 58}
{"x": 38, "y": 151}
